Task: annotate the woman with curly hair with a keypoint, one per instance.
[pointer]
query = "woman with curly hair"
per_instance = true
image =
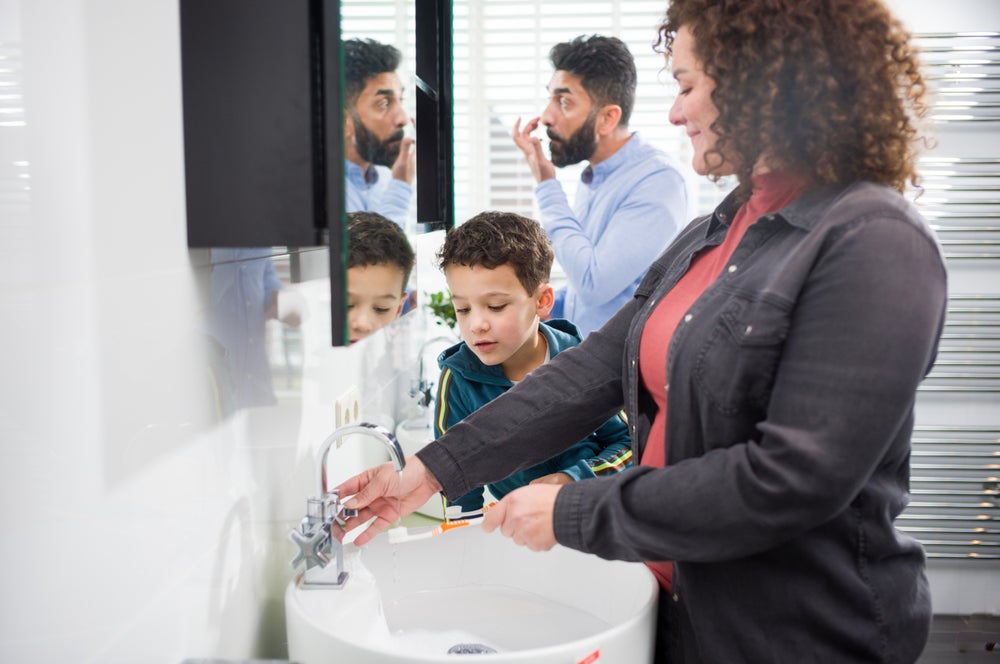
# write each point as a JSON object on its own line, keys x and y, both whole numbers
{"x": 768, "y": 363}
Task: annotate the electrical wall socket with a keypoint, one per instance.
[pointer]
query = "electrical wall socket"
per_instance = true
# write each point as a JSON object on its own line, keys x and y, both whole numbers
{"x": 347, "y": 409}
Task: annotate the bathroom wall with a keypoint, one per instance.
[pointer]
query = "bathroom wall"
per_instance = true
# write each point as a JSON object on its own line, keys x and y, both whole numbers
{"x": 142, "y": 520}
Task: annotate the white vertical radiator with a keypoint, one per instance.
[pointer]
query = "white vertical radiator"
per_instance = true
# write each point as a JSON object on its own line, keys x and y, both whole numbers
{"x": 955, "y": 482}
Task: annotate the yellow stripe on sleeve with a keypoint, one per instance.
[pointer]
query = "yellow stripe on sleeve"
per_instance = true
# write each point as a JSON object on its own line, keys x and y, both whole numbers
{"x": 442, "y": 405}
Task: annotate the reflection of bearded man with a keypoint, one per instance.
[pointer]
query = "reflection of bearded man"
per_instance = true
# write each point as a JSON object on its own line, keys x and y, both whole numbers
{"x": 579, "y": 146}
{"x": 373, "y": 149}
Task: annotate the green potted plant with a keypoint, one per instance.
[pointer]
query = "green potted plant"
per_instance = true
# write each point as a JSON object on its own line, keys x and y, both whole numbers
{"x": 441, "y": 307}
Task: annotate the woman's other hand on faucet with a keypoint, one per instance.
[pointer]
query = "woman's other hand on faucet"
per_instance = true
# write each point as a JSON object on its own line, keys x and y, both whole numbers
{"x": 385, "y": 494}
{"x": 525, "y": 516}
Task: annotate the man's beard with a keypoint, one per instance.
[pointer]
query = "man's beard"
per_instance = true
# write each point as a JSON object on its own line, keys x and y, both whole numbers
{"x": 579, "y": 146}
{"x": 372, "y": 149}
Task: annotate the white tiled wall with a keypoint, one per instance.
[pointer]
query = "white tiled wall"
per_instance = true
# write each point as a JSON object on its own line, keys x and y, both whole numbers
{"x": 136, "y": 524}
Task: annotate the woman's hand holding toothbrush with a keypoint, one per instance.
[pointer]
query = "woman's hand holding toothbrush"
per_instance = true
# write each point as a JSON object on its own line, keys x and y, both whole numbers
{"x": 525, "y": 516}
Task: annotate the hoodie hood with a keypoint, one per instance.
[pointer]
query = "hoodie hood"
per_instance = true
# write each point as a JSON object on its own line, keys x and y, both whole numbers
{"x": 559, "y": 333}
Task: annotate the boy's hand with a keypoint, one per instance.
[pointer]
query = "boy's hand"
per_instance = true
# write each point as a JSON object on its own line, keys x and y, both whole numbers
{"x": 554, "y": 478}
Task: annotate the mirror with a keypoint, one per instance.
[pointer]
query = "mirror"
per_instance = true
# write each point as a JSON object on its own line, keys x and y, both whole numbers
{"x": 379, "y": 162}
{"x": 263, "y": 170}
{"x": 265, "y": 144}
{"x": 265, "y": 165}
{"x": 397, "y": 81}
{"x": 417, "y": 35}
{"x": 253, "y": 323}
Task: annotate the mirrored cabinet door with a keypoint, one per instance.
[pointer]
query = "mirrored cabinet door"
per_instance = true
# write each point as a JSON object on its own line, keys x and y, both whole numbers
{"x": 271, "y": 138}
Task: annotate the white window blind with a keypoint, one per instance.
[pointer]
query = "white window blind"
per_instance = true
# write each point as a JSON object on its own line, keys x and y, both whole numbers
{"x": 501, "y": 69}
{"x": 387, "y": 21}
{"x": 501, "y": 73}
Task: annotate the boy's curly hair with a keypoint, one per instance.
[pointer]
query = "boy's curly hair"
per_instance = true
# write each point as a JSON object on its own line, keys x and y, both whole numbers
{"x": 374, "y": 240}
{"x": 827, "y": 88}
{"x": 491, "y": 239}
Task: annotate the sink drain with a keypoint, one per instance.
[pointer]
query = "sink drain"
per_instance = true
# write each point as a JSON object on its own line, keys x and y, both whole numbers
{"x": 470, "y": 649}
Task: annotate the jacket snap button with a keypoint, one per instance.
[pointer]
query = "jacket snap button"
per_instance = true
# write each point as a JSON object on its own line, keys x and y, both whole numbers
{"x": 688, "y": 318}
{"x": 749, "y": 329}
{"x": 732, "y": 268}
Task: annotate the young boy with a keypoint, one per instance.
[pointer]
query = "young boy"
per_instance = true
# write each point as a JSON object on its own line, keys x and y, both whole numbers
{"x": 497, "y": 266}
{"x": 379, "y": 262}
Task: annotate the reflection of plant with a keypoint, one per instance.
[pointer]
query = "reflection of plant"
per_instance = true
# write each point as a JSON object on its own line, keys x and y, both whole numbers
{"x": 440, "y": 305}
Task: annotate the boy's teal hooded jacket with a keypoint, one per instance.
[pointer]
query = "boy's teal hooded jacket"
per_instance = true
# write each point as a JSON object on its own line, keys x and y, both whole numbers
{"x": 466, "y": 384}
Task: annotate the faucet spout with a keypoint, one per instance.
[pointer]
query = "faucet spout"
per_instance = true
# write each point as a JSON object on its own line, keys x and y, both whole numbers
{"x": 317, "y": 547}
{"x": 423, "y": 388}
{"x": 375, "y": 431}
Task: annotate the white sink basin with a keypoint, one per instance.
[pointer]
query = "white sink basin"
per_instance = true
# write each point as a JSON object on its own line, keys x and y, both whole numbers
{"x": 412, "y": 602}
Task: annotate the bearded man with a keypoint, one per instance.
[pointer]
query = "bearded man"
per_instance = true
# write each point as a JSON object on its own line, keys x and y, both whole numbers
{"x": 632, "y": 199}
{"x": 380, "y": 160}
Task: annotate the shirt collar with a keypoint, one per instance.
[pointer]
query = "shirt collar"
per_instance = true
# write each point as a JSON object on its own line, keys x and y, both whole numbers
{"x": 354, "y": 172}
{"x": 593, "y": 176}
{"x": 723, "y": 213}
{"x": 812, "y": 204}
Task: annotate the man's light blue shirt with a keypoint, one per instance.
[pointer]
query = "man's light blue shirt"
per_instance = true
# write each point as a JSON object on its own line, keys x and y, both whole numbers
{"x": 628, "y": 208}
{"x": 378, "y": 192}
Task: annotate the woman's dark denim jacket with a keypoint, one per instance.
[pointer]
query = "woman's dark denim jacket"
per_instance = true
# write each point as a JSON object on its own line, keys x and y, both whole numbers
{"x": 791, "y": 388}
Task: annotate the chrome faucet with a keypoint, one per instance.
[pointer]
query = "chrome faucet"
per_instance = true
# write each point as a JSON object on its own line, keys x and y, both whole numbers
{"x": 317, "y": 548}
{"x": 422, "y": 388}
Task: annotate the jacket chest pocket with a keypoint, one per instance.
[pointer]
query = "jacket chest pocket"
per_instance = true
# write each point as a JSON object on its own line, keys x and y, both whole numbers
{"x": 736, "y": 365}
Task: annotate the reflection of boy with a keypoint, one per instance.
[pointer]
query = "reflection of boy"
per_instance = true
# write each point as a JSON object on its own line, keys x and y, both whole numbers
{"x": 379, "y": 262}
{"x": 497, "y": 266}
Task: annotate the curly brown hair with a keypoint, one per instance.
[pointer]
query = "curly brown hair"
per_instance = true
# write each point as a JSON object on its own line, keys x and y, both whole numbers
{"x": 827, "y": 88}
{"x": 491, "y": 239}
{"x": 375, "y": 240}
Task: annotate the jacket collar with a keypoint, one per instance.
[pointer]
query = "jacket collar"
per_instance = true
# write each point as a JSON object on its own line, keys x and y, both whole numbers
{"x": 804, "y": 212}
{"x": 593, "y": 176}
{"x": 559, "y": 334}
